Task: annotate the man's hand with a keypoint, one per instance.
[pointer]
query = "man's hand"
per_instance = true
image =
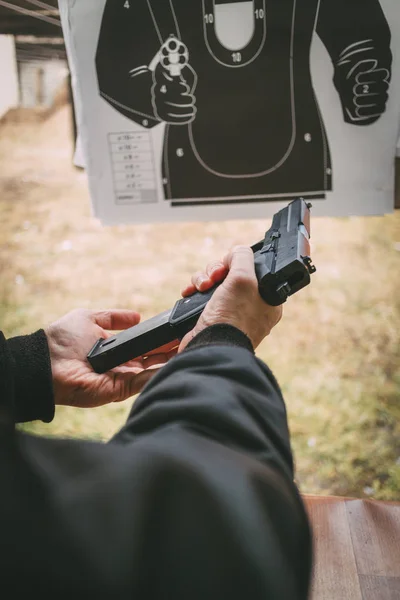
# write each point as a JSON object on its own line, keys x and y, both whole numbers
{"x": 172, "y": 97}
{"x": 237, "y": 301}
{"x": 362, "y": 78}
{"x": 74, "y": 381}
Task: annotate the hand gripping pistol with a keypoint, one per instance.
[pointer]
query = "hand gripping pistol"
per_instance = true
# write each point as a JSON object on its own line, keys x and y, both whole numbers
{"x": 283, "y": 267}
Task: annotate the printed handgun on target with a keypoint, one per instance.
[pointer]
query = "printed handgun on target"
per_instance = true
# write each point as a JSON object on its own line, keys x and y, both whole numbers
{"x": 174, "y": 56}
{"x": 283, "y": 267}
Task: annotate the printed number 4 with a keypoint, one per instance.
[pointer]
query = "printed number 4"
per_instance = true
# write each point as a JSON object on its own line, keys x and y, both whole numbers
{"x": 126, "y": 4}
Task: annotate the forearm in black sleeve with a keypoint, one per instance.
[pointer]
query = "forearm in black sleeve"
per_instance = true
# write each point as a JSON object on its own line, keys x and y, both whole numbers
{"x": 227, "y": 392}
{"x": 217, "y": 416}
{"x": 33, "y": 388}
{"x": 360, "y": 24}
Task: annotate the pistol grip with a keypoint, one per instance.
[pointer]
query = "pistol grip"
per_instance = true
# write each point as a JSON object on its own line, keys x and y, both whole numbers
{"x": 187, "y": 311}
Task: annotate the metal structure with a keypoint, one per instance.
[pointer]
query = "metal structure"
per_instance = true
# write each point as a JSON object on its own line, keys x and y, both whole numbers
{"x": 36, "y": 27}
{"x": 30, "y": 17}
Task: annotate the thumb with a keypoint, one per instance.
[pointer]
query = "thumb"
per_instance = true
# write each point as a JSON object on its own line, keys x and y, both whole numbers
{"x": 189, "y": 77}
{"x": 240, "y": 262}
{"x": 161, "y": 74}
{"x": 114, "y": 319}
{"x": 363, "y": 66}
{"x": 188, "y": 338}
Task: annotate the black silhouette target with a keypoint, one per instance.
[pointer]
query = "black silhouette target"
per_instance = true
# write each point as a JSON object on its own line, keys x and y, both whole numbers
{"x": 256, "y": 132}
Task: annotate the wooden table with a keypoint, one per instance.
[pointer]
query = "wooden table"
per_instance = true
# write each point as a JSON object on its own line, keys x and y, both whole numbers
{"x": 356, "y": 548}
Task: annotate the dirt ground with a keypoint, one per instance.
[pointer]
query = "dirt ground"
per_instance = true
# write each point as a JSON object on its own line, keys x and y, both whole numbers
{"x": 335, "y": 353}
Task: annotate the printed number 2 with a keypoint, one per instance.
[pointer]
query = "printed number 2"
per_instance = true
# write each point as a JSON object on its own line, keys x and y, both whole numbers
{"x": 236, "y": 57}
{"x": 127, "y": 5}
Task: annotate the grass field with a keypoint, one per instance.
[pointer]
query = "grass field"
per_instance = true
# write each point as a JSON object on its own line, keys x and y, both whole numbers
{"x": 336, "y": 352}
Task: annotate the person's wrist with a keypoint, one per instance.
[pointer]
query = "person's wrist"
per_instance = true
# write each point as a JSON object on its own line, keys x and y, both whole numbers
{"x": 33, "y": 379}
{"x": 233, "y": 321}
{"x": 60, "y": 393}
{"x": 221, "y": 334}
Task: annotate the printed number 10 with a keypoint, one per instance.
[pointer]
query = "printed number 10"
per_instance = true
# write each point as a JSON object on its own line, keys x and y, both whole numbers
{"x": 236, "y": 57}
{"x": 259, "y": 13}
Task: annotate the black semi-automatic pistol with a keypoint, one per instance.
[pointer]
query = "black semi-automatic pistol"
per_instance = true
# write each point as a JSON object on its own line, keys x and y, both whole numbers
{"x": 283, "y": 267}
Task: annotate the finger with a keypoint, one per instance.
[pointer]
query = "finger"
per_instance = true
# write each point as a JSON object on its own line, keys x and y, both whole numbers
{"x": 370, "y": 112}
{"x": 174, "y": 90}
{"x": 188, "y": 290}
{"x": 164, "y": 349}
{"x": 115, "y": 319}
{"x": 180, "y": 104}
{"x": 201, "y": 281}
{"x": 188, "y": 76}
{"x": 174, "y": 93}
{"x": 367, "y": 78}
{"x": 216, "y": 270}
{"x": 184, "y": 89}
{"x": 368, "y": 89}
{"x": 374, "y": 104}
{"x": 363, "y": 66}
{"x": 377, "y": 76}
{"x": 129, "y": 384}
{"x": 161, "y": 75}
{"x": 131, "y": 365}
{"x": 161, "y": 354}
{"x": 180, "y": 111}
{"x": 186, "y": 339}
{"x": 160, "y": 359}
{"x": 177, "y": 101}
{"x": 155, "y": 360}
{"x": 240, "y": 262}
{"x": 365, "y": 101}
{"x": 180, "y": 119}
{"x": 179, "y": 108}
{"x": 132, "y": 368}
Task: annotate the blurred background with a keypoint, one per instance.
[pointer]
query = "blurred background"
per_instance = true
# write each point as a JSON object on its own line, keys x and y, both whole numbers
{"x": 336, "y": 352}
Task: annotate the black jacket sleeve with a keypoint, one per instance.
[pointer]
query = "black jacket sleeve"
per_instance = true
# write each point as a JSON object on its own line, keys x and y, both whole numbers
{"x": 193, "y": 498}
{"x": 30, "y": 369}
{"x": 360, "y": 24}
